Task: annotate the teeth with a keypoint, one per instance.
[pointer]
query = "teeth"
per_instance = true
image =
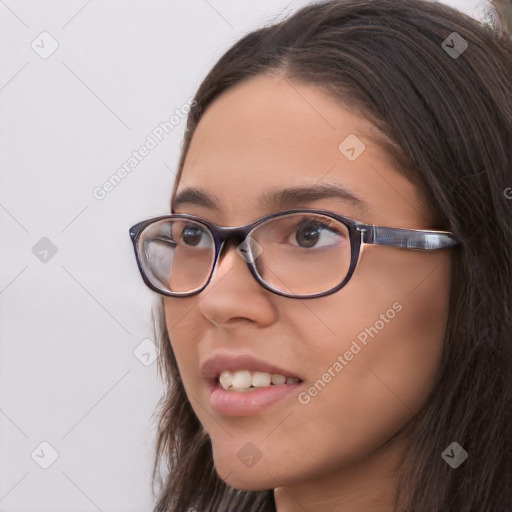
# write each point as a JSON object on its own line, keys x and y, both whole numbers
{"x": 226, "y": 379}
{"x": 242, "y": 380}
{"x": 261, "y": 379}
{"x": 245, "y": 380}
{"x": 278, "y": 379}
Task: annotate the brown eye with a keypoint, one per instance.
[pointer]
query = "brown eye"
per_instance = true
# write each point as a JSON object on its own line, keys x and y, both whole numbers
{"x": 312, "y": 233}
{"x": 308, "y": 233}
{"x": 192, "y": 235}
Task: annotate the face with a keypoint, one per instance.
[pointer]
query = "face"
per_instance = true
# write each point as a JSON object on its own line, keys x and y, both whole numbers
{"x": 366, "y": 355}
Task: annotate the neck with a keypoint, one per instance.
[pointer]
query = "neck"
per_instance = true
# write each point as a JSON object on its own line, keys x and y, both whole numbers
{"x": 367, "y": 485}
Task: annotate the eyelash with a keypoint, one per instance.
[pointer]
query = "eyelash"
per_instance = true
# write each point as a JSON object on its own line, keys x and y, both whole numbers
{"x": 324, "y": 222}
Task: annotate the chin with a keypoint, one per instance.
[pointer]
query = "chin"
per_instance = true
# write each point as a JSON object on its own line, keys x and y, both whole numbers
{"x": 239, "y": 471}
{"x": 265, "y": 474}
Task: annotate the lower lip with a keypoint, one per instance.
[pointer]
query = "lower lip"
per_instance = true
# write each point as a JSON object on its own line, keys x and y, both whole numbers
{"x": 247, "y": 403}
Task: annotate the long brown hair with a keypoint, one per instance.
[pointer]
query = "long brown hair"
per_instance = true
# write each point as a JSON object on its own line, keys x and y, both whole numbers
{"x": 447, "y": 118}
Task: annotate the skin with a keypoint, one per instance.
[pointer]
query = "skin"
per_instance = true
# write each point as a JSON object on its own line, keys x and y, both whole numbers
{"x": 335, "y": 452}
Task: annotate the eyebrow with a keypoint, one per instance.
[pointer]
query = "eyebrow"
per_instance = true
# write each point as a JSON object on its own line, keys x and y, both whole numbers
{"x": 278, "y": 198}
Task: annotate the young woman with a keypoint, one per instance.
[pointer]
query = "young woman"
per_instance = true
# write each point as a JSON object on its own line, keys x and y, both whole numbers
{"x": 336, "y": 323}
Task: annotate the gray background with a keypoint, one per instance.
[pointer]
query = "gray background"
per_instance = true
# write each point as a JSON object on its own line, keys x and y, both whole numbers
{"x": 73, "y": 372}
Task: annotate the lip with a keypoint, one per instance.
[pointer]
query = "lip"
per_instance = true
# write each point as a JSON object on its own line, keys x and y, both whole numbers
{"x": 244, "y": 403}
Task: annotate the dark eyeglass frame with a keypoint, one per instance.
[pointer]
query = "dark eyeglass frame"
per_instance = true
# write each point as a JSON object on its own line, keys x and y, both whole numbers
{"x": 359, "y": 234}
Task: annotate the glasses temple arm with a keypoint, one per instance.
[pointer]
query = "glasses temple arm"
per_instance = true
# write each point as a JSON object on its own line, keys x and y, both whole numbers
{"x": 407, "y": 238}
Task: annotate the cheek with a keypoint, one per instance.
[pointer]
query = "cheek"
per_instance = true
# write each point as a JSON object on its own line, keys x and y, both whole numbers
{"x": 391, "y": 315}
{"x": 182, "y": 327}
{"x": 390, "y": 320}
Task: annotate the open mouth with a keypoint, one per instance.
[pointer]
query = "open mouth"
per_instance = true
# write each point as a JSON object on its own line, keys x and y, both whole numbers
{"x": 242, "y": 384}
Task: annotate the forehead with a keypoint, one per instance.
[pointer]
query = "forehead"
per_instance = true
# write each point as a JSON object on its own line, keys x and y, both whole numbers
{"x": 267, "y": 135}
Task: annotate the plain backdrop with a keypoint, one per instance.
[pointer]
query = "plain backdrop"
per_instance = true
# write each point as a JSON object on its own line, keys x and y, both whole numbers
{"x": 82, "y": 85}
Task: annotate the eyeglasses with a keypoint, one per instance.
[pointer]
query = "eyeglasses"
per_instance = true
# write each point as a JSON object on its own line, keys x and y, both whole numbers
{"x": 299, "y": 253}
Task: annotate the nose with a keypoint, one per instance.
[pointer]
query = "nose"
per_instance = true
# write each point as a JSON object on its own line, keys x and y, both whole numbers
{"x": 233, "y": 295}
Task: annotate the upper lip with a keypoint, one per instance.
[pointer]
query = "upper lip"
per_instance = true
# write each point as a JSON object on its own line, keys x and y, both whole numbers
{"x": 220, "y": 361}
